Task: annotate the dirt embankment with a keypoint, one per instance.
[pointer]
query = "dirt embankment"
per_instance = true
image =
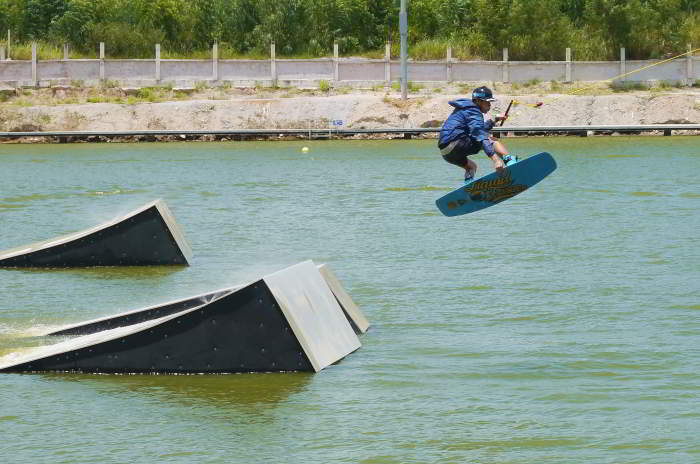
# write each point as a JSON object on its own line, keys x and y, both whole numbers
{"x": 69, "y": 109}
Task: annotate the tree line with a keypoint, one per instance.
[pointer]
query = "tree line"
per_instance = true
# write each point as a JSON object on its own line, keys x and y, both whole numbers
{"x": 475, "y": 29}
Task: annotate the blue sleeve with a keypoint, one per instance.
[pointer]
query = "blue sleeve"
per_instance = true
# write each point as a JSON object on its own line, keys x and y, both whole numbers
{"x": 478, "y": 130}
{"x": 488, "y": 125}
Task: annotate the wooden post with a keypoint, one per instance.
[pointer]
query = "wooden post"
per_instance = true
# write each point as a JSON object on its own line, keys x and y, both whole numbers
{"x": 102, "y": 61}
{"x": 66, "y": 52}
{"x": 622, "y": 63}
{"x": 449, "y": 64}
{"x": 568, "y": 64}
{"x": 506, "y": 70}
{"x": 689, "y": 66}
{"x": 157, "y": 62}
{"x": 35, "y": 79}
{"x": 215, "y": 61}
{"x": 387, "y": 63}
{"x": 273, "y": 65}
{"x": 335, "y": 62}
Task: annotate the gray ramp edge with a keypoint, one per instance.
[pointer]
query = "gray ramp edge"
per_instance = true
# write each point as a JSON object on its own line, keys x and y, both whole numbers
{"x": 165, "y": 213}
{"x": 313, "y": 313}
{"x": 351, "y": 309}
{"x": 175, "y": 229}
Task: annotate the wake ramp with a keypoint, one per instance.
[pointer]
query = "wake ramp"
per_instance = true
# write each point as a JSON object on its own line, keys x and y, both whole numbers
{"x": 290, "y": 320}
{"x": 147, "y": 236}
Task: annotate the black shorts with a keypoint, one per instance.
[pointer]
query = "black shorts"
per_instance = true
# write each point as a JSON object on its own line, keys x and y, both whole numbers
{"x": 465, "y": 147}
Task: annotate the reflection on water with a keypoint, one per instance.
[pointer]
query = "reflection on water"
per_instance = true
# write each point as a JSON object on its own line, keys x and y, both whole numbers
{"x": 246, "y": 391}
{"x": 153, "y": 273}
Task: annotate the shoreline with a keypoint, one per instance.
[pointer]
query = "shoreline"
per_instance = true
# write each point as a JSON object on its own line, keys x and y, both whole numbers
{"x": 315, "y": 112}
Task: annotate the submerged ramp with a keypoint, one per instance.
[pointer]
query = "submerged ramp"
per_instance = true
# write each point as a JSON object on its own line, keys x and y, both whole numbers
{"x": 147, "y": 236}
{"x": 286, "y": 321}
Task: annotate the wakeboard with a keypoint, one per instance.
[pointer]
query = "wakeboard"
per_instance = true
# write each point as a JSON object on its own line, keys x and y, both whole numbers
{"x": 495, "y": 188}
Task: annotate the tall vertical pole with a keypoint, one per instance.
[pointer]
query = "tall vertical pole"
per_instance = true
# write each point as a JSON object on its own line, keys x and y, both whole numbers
{"x": 9, "y": 55}
{"x": 158, "y": 63}
{"x": 689, "y": 66}
{"x": 273, "y": 65}
{"x": 35, "y": 80}
{"x": 215, "y": 61}
{"x": 623, "y": 67}
{"x": 102, "y": 61}
{"x": 403, "y": 30}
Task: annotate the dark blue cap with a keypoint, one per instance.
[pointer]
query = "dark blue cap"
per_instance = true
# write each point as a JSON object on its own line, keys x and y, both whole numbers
{"x": 483, "y": 93}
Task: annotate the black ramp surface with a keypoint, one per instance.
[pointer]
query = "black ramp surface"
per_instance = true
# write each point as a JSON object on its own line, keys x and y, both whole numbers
{"x": 242, "y": 332}
{"x": 148, "y": 236}
{"x": 139, "y": 315}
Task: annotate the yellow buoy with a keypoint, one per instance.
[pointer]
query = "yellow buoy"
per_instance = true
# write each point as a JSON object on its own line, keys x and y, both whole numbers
{"x": 305, "y": 149}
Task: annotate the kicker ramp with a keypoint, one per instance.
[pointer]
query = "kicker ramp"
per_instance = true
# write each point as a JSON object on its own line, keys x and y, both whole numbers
{"x": 286, "y": 321}
{"x": 355, "y": 317}
{"x": 147, "y": 236}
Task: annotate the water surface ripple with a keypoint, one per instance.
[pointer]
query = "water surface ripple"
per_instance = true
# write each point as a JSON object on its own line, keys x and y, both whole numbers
{"x": 560, "y": 326}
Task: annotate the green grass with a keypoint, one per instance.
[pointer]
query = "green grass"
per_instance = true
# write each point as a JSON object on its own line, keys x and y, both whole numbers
{"x": 665, "y": 85}
{"x": 627, "y": 86}
{"x": 109, "y": 84}
{"x": 324, "y": 85}
{"x": 45, "y": 51}
{"x": 429, "y": 49}
{"x": 104, "y": 99}
{"x": 411, "y": 87}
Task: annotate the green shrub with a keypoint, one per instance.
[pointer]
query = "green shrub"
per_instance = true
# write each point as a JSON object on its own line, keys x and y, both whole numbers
{"x": 628, "y": 86}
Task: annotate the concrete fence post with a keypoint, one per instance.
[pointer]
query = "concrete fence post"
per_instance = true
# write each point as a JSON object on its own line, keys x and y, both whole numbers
{"x": 689, "y": 66}
{"x": 623, "y": 67}
{"x": 9, "y": 55}
{"x": 387, "y": 63}
{"x": 35, "y": 80}
{"x": 2, "y": 53}
{"x": 102, "y": 61}
{"x": 273, "y": 65}
{"x": 449, "y": 64}
{"x": 215, "y": 62}
{"x": 568, "y": 65}
{"x": 157, "y": 62}
{"x": 506, "y": 69}
{"x": 336, "y": 63}
{"x": 66, "y": 52}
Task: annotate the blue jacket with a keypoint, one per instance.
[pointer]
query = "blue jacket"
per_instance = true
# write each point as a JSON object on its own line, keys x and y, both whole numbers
{"x": 467, "y": 121}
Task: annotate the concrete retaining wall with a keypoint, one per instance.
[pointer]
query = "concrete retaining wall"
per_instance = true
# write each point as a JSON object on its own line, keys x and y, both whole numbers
{"x": 685, "y": 69}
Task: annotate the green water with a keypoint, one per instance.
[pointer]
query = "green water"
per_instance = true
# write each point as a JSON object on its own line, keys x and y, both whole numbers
{"x": 562, "y": 326}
